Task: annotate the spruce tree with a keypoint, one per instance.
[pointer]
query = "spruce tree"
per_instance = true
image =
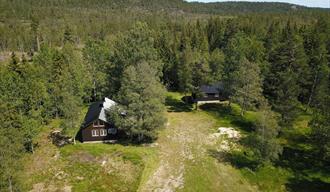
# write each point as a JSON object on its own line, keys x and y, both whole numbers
{"x": 11, "y": 145}
{"x": 238, "y": 48}
{"x": 283, "y": 83}
{"x": 185, "y": 75}
{"x": 136, "y": 45}
{"x": 216, "y": 63}
{"x": 96, "y": 55}
{"x": 318, "y": 65}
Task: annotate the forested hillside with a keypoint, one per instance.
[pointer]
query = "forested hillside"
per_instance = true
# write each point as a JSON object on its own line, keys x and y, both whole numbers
{"x": 21, "y": 20}
{"x": 272, "y": 58}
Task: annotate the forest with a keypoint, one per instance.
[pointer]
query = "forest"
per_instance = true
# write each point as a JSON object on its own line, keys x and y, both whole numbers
{"x": 59, "y": 56}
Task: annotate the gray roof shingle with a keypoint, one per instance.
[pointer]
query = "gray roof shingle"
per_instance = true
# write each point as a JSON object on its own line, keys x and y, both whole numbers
{"x": 213, "y": 88}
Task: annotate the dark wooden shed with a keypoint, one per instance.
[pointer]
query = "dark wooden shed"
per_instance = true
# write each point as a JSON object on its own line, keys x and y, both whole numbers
{"x": 210, "y": 93}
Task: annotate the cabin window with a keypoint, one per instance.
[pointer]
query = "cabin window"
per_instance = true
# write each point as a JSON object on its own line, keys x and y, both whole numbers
{"x": 112, "y": 131}
{"x": 103, "y": 132}
{"x": 95, "y": 133}
{"x": 216, "y": 95}
{"x": 98, "y": 124}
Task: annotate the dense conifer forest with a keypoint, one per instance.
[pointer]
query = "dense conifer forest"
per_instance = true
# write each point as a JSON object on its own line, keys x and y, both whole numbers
{"x": 58, "y": 56}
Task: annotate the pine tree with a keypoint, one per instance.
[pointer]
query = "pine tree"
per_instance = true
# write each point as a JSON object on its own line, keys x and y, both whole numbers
{"x": 35, "y": 34}
{"x": 264, "y": 141}
{"x": 247, "y": 88}
{"x": 142, "y": 98}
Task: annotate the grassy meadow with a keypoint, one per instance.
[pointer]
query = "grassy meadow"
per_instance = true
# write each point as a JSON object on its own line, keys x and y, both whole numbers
{"x": 181, "y": 159}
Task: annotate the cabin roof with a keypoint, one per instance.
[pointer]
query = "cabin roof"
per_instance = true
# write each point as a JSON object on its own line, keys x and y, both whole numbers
{"x": 213, "y": 88}
{"x": 97, "y": 110}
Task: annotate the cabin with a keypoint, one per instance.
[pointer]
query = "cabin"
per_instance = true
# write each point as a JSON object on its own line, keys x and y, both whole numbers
{"x": 210, "y": 93}
{"x": 96, "y": 126}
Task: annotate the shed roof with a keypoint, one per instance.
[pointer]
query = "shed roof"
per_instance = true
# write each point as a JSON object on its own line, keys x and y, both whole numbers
{"x": 213, "y": 88}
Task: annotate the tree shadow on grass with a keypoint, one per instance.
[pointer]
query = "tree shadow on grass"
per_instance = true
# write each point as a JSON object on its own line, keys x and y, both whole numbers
{"x": 303, "y": 184}
{"x": 175, "y": 105}
{"x": 223, "y": 111}
{"x": 305, "y": 163}
{"x": 236, "y": 159}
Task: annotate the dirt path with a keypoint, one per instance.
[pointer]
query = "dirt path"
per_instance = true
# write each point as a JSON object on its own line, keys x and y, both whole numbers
{"x": 184, "y": 158}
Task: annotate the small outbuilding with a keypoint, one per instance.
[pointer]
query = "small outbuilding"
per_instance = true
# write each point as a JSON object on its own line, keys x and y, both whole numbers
{"x": 210, "y": 93}
{"x": 96, "y": 126}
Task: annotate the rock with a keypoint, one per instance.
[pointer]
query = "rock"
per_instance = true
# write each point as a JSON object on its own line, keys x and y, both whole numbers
{"x": 229, "y": 132}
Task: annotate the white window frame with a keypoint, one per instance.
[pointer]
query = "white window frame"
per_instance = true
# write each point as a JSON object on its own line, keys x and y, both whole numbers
{"x": 95, "y": 124}
{"x": 95, "y": 133}
{"x": 112, "y": 131}
{"x": 98, "y": 123}
{"x": 103, "y": 132}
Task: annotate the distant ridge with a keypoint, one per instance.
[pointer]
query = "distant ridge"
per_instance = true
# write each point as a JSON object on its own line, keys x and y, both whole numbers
{"x": 229, "y": 7}
{"x": 245, "y": 7}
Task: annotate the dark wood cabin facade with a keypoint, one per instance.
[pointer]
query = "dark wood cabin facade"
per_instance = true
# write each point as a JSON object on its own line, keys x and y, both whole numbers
{"x": 96, "y": 126}
{"x": 99, "y": 130}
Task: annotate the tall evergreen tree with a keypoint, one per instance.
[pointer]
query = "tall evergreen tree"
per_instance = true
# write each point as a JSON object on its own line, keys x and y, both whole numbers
{"x": 264, "y": 141}
{"x": 185, "y": 75}
{"x": 240, "y": 47}
{"x": 35, "y": 34}
{"x": 318, "y": 65}
{"x": 283, "y": 83}
{"x": 215, "y": 33}
{"x": 96, "y": 54}
{"x": 132, "y": 47}
{"x": 216, "y": 63}
{"x": 247, "y": 88}
{"x": 167, "y": 46}
{"x": 320, "y": 125}
{"x": 142, "y": 98}
{"x": 11, "y": 150}
{"x": 11, "y": 145}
